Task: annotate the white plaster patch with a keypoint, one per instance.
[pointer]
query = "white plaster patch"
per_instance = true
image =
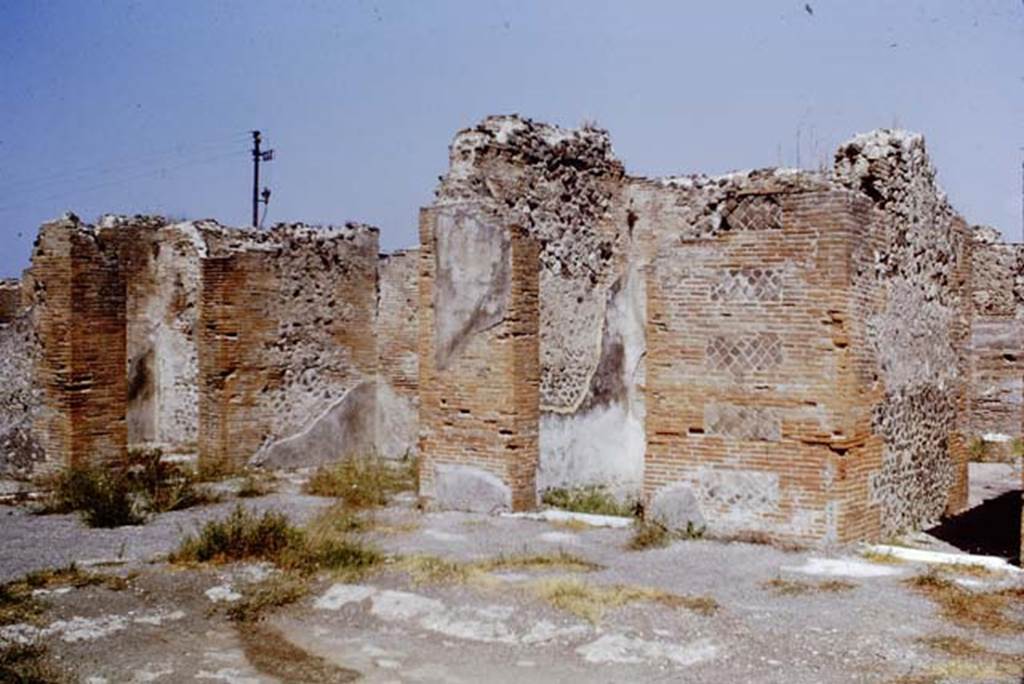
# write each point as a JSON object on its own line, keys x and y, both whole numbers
{"x": 619, "y": 648}
{"x": 924, "y": 556}
{"x": 844, "y": 567}
{"x": 342, "y": 594}
{"x": 544, "y": 631}
{"x": 443, "y": 536}
{"x": 228, "y": 674}
{"x": 158, "y": 618}
{"x": 87, "y": 629}
{"x": 554, "y": 515}
{"x": 559, "y": 538}
{"x": 402, "y": 605}
{"x": 222, "y": 593}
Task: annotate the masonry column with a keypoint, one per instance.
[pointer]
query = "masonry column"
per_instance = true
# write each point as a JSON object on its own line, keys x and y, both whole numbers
{"x": 479, "y": 361}
{"x": 80, "y": 321}
{"x": 234, "y": 322}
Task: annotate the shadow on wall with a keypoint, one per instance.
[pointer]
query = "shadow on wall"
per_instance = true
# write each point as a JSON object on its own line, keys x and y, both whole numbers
{"x": 992, "y": 529}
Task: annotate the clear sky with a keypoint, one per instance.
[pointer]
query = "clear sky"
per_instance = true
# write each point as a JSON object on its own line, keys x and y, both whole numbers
{"x": 143, "y": 107}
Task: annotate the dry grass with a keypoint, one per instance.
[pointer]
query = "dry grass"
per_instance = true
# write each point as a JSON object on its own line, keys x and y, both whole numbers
{"x": 17, "y": 604}
{"x": 882, "y": 558}
{"x": 590, "y": 601}
{"x": 363, "y": 482}
{"x": 273, "y": 592}
{"x": 971, "y": 659}
{"x": 784, "y": 587}
{"x": 255, "y": 484}
{"x": 571, "y": 524}
{"x": 649, "y": 535}
{"x": 562, "y": 560}
{"x": 593, "y": 499}
{"x": 984, "y": 610}
{"x": 425, "y": 569}
{"x": 326, "y": 544}
{"x": 29, "y": 664}
{"x": 112, "y": 497}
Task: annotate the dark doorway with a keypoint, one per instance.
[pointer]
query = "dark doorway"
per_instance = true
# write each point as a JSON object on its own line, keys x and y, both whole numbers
{"x": 991, "y": 529}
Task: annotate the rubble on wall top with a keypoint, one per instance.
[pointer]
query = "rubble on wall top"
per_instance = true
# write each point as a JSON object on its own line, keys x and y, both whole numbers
{"x": 986, "y": 235}
{"x": 524, "y": 142}
{"x": 773, "y": 179}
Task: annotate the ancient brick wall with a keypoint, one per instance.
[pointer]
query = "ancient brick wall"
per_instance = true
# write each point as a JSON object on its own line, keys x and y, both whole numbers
{"x": 565, "y": 188}
{"x": 10, "y": 300}
{"x": 752, "y": 403}
{"x": 996, "y": 345}
{"x": 287, "y": 352}
{"x": 397, "y": 329}
{"x": 479, "y": 360}
{"x": 917, "y": 267}
{"x": 79, "y": 323}
{"x": 161, "y": 269}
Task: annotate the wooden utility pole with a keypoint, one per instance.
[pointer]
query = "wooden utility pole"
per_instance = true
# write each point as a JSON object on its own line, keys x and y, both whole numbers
{"x": 257, "y": 157}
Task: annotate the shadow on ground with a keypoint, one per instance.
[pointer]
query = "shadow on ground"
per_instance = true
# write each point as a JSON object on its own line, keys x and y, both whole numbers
{"x": 992, "y": 529}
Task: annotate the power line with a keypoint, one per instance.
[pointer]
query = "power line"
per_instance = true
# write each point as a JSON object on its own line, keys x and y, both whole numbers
{"x": 117, "y": 166}
{"x": 122, "y": 181}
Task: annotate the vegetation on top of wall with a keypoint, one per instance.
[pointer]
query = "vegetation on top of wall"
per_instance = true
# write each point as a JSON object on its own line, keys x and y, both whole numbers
{"x": 594, "y": 499}
{"x": 363, "y": 482}
{"x": 112, "y": 496}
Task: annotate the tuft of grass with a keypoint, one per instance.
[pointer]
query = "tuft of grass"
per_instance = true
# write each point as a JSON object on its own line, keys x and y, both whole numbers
{"x": 253, "y": 486}
{"x": 590, "y": 601}
{"x": 28, "y": 664}
{"x": 17, "y": 604}
{"x": 562, "y": 560}
{"x": 325, "y": 545}
{"x": 972, "y": 660}
{"x": 649, "y": 535}
{"x": 243, "y": 535}
{"x": 426, "y": 569}
{"x": 363, "y": 482}
{"x": 984, "y": 610}
{"x": 572, "y": 524}
{"x": 879, "y": 557}
{"x": 592, "y": 499}
{"x": 784, "y": 587}
{"x": 274, "y": 592}
{"x": 118, "y": 495}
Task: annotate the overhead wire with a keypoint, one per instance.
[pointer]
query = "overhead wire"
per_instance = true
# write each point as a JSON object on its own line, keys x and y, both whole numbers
{"x": 116, "y": 166}
{"x": 163, "y": 170}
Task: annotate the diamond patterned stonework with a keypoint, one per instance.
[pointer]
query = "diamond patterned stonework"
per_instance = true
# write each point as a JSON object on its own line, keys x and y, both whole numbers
{"x": 748, "y": 285}
{"x": 759, "y": 212}
{"x": 758, "y": 352}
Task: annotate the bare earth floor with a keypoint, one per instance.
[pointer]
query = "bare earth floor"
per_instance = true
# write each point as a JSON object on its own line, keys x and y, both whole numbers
{"x": 782, "y": 616}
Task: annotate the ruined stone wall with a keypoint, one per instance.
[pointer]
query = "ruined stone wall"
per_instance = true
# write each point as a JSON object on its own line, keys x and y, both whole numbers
{"x": 564, "y": 187}
{"x": 751, "y": 400}
{"x": 996, "y": 346}
{"x": 479, "y": 360}
{"x": 20, "y": 450}
{"x": 161, "y": 270}
{"x": 79, "y": 325}
{"x": 10, "y": 300}
{"x": 397, "y": 329}
{"x": 916, "y": 269}
{"x": 287, "y": 352}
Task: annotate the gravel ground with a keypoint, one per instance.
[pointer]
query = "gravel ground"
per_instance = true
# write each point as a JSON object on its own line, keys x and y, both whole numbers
{"x": 169, "y": 625}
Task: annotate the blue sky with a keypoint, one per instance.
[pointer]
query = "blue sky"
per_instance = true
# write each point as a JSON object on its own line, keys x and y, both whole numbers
{"x": 143, "y": 107}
